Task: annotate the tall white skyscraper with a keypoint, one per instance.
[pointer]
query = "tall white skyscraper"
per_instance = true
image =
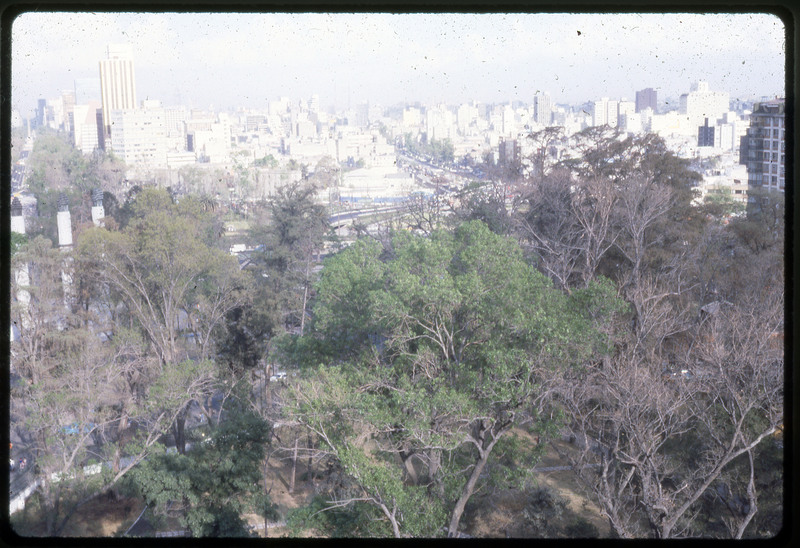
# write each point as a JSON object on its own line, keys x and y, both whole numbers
{"x": 600, "y": 112}
{"x": 542, "y": 109}
{"x": 117, "y": 82}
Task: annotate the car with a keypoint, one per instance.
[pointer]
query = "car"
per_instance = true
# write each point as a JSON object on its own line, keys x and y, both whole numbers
{"x": 279, "y": 375}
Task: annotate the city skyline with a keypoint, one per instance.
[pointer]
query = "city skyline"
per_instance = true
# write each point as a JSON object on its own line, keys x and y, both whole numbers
{"x": 245, "y": 60}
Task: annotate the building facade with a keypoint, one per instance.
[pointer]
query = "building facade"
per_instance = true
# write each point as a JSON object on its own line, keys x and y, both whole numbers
{"x": 763, "y": 147}
{"x": 117, "y": 83}
{"x": 542, "y": 109}
{"x": 139, "y": 136}
{"x": 646, "y": 98}
{"x": 701, "y": 103}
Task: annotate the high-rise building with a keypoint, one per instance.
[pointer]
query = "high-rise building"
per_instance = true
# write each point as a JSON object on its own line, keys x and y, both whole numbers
{"x": 542, "y": 109}
{"x": 646, "y": 98}
{"x": 701, "y": 103}
{"x": 68, "y": 103}
{"x": 705, "y": 135}
{"x": 600, "y": 112}
{"x": 84, "y": 127}
{"x": 762, "y": 149}
{"x": 117, "y": 82}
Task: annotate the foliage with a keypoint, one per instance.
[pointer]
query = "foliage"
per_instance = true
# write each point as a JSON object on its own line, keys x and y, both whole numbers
{"x": 56, "y": 165}
{"x": 542, "y": 507}
{"x": 446, "y": 342}
{"x": 17, "y": 241}
{"x": 440, "y": 151}
{"x": 213, "y": 484}
{"x": 162, "y": 265}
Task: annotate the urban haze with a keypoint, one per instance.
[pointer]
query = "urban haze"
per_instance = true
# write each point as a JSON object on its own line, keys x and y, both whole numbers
{"x": 503, "y": 275}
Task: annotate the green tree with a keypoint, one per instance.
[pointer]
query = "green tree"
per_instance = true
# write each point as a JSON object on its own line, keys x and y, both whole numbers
{"x": 211, "y": 487}
{"x": 447, "y": 343}
{"x": 290, "y": 243}
{"x": 176, "y": 288}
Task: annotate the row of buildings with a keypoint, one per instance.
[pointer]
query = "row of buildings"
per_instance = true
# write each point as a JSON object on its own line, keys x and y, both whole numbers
{"x": 104, "y": 113}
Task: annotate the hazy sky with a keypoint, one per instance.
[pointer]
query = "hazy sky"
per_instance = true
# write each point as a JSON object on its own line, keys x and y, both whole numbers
{"x": 231, "y": 60}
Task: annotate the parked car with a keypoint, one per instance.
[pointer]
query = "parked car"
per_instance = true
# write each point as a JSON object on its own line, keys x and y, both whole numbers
{"x": 279, "y": 375}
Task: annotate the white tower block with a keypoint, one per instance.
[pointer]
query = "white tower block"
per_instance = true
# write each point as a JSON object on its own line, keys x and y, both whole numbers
{"x": 97, "y": 207}
{"x": 65, "y": 243}
{"x": 17, "y": 220}
{"x": 64, "y": 222}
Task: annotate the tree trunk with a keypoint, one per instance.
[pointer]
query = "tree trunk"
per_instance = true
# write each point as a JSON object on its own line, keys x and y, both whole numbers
{"x": 310, "y": 462}
{"x": 123, "y": 425}
{"x": 305, "y": 298}
{"x": 267, "y": 387}
{"x": 466, "y": 493}
{"x": 411, "y": 472}
{"x": 179, "y": 430}
{"x": 294, "y": 468}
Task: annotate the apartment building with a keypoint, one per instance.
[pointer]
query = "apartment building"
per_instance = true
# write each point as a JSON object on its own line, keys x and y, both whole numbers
{"x": 763, "y": 147}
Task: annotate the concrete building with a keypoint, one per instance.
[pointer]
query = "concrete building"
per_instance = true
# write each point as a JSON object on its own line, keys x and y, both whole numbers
{"x": 763, "y": 148}
{"x": 466, "y": 116}
{"x": 612, "y": 113}
{"x": 68, "y": 104}
{"x": 624, "y": 109}
{"x": 542, "y": 109}
{"x": 117, "y": 82}
{"x": 85, "y": 134}
{"x": 139, "y": 136}
{"x": 439, "y": 123}
{"x": 209, "y": 138}
{"x": 599, "y": 110}
{"x": 701, "y": 103}
{"x": 646, "y": 98}
{"x": 705, "y": 135}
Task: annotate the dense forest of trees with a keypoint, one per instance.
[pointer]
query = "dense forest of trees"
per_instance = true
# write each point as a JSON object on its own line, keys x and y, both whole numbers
{"x": 597, "y": 302}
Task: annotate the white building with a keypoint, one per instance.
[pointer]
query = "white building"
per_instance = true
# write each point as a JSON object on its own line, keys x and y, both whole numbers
{"x": 600, "y": 112}
{"x": 139, "y": 136}
{"x": 84, "y": 127}
{"x": 701, "y": 103}
{"x": 542, "y": 109}
{"x": 211, "y": 138}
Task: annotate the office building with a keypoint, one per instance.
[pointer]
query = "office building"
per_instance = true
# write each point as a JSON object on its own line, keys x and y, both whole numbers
{"x": 705, "y": 135}
{"x": 117, "y": 83}
{"x": 646, "y": 98}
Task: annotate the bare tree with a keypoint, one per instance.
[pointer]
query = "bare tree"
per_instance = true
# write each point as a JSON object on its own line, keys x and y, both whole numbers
{"x": 653, "y": 442}
{"x": 548, "y": 227}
